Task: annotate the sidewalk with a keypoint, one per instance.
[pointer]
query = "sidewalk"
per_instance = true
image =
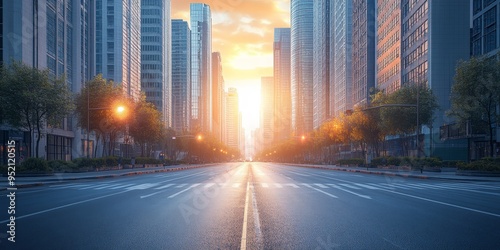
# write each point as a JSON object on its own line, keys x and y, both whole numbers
{"x": 452, "y": 175}
{"x": 30, "y": 181}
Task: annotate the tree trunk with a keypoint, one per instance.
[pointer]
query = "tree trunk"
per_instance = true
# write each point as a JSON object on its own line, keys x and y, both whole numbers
{"x": 38, "y": 140}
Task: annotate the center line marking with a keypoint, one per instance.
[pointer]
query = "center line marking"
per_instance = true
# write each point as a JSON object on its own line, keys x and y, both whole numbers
{"x": 245, "y": 217}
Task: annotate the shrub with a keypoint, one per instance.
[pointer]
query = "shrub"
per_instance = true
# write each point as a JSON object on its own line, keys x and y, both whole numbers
{"x": 35, "y": 165}
{"x": 147, "y": 160}
{"x": 485, "y": 164}
{"x": 393, "y": 161}
{"x": 111, "y": 161}
{"x": 379, "y": 161}
{"x": 353, "y": 161}
{"x": 61, "y": 166}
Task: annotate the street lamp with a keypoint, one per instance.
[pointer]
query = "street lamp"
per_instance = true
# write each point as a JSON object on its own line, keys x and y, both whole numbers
{"x": 119, "y": 110}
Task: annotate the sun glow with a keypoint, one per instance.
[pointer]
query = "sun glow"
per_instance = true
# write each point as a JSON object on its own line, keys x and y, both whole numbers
{"x": 249, "y": 102}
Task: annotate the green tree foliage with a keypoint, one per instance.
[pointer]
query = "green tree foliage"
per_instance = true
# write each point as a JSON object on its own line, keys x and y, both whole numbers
{"x": 403, "y": 120}
{"x": 146, "y": 125}
{"x": 96, "y": 109}
{"x": 476, "y": 94}
{"x": 32, "y": 98}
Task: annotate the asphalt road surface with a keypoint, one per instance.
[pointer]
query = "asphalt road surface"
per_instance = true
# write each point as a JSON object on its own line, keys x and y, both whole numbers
{"x": 255, "y": 206}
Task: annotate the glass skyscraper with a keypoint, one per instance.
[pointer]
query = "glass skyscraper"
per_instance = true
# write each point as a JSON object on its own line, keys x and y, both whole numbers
{"x": 118, "y": 43}
{"x": 302, "y": 66}
{"x": 321, "y": 62}
{"x": 282, "y": 96}
{"x": 363, "y": 50}
{"x": 201, "y": 67}
{"x": 342, "y": 42}
{"x": 217, "y": 96}
{"x": 156, "y": 56}
{"x": 181, "y": 75}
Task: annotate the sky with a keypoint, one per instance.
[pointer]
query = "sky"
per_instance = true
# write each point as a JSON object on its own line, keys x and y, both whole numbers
{"x": 242, "y": 31}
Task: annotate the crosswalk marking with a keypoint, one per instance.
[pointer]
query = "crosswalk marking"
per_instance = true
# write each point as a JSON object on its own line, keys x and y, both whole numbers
{"x": 319, "y": 190}
{"x": 121, "y": 186}
{"x": 165, "y": 186}
{"x": 320, "y": 185}
{"x": 367, "y": 186}
{"x": 349, "y": 186}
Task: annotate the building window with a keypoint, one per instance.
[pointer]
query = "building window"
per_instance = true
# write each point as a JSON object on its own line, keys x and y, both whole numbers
{"x": 477, "y": 6}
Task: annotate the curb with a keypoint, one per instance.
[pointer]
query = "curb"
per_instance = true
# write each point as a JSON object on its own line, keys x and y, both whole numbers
{"x": 392, "y": 174}
{"x": 66, "y": 180}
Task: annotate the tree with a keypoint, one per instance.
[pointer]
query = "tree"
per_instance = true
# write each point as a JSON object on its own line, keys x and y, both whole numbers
{"x": 476, "y": 94}
{"x": 33, "y": 98}
{"x": 399, "y": 119}
{"x": 146, "y": 125}
{"x": 96, "y": 109}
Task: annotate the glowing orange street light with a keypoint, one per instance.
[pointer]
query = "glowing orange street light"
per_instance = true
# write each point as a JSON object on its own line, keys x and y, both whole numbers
{"x": 199, "y": 137}
{"x": 120, "y": 109}
{"x": 303, "y": 138}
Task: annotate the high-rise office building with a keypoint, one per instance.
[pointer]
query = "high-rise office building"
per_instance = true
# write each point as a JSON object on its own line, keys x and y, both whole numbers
{"x": 55, "y": 35}
{"x": 321, "y": 62}
{"x": 388, "y": 45}
{"x": 435, "y": 37}
{"x": 118, "y": 43}
{"x": 282, "y": 97}
{"x": 217, "y": 96}
{"x": 485, "y": 27}
{"x": 181, "y": 75}
{"x": 267, "y": 111}
{"x": 342, "y": 42}
{"x": 420, "y": 42}
{"x": 233, "y": 130}
{"x": 363, "y": 51}
{"x": 201, "y": 67}
{"x": 156, "y": 56}
{"x": 301, "y": 66}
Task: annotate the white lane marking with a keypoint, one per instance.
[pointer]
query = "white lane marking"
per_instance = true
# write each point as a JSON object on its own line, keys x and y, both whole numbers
{"x": 414, "y": 186}
{"x": 320, "y": 185}
{"x": 291, "y": 185}
{"x": 430, "y": 200}
{"x": 63, "y": 206}
{"x": 236, "y": 185}
{"x": 265, "y": 185}
{"x": 319, "y": 190}
{"x": 142, "y": 186}
{"x": 351, "y": 192}
{"x": 443, "y": 203}
{"x": 278, "y": 185}
{"x": 243, "y": 245}
{"x": 471, "y": 190}
{"x": 66, "y": 186}
{"x": 122, "y": 186}
{"x": 367, "y": 186}
{"x": 224, "y": 184}
{"x": 349, "y": 186}
{"x": 92, "y": 186}
{"x": 107, "y": 186}
{"x": 165, "y": 186}
{"x": 182, "y": 191}
{"x": 396, "y": 186}
{"x": 299, "y": 173}
{"x": 209, "y": 185}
